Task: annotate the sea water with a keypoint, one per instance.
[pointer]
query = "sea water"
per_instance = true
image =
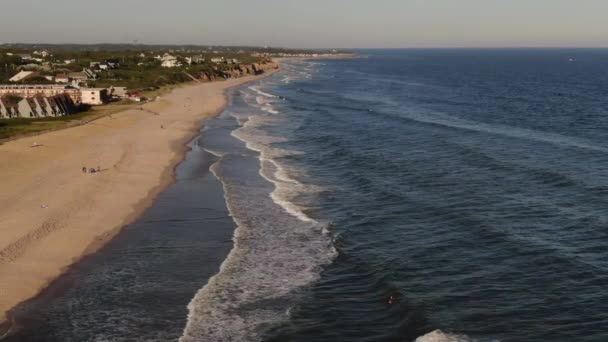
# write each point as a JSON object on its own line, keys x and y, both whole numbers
{"x": 403, "y": 195}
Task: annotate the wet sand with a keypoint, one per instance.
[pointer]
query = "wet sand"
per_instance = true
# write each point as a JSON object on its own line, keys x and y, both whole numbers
{"x": 52, "y": 214}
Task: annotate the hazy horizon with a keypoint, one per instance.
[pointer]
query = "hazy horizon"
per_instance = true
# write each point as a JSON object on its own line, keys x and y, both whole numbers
{"x": 351, "y": 24}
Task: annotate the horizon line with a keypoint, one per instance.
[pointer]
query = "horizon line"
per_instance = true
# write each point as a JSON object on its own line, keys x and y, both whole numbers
{"x": 319, "y": 48}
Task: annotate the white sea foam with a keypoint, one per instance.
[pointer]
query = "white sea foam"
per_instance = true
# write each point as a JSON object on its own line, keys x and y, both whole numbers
{"x": 265, "y": 104}
{"x": 270, "y": 109}
{"x": 306, "y": 75}
{"x": 509, "y": 131}
{"x": 261, "y": 100}
{"x": 215, "y": 153}
{"x": 286, "y": 188}
{"x": 245, "y": 94}
{"x": 278, "y": 249}
{"x": 440, "y": 336}
{"x": 257, "y": 90}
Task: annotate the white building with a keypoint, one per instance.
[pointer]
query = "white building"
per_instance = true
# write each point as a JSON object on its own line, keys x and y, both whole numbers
{"x": 94, "y": 96}
{"x": 46, "y": 90}
{"x": 171, "y": 64}
{"x": 118, "y": 92}
{"x": 198, "y": 59}
{"x": 22, "y": 75}
{"x": 35, "y": 107}
{"x": 62, "y": 78}
{"x": 42, "y": 53}
{"x": 9, "y": 107}
{"x": 169, "y": 61}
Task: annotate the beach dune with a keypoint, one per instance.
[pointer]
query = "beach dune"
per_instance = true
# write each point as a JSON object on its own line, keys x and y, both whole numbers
{"x": 51, "y": 213}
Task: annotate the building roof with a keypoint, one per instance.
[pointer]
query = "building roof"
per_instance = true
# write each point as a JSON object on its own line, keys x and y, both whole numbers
{"x": 22, "y": 75}
{"x": 78, "y": 75}
{"x": 36, "y": 86}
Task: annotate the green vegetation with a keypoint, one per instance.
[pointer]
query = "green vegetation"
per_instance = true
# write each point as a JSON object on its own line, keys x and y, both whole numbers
{"x": 8, "y": 66}
{"x": 22, "y": 126}
{"x": 136, "y": 67}
{"x": 18, "y": 127}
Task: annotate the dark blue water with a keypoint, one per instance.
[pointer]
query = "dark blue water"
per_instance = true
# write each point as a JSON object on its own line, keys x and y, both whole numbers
{"x": 471, "y": 185}
{"x": 405, "y": 195}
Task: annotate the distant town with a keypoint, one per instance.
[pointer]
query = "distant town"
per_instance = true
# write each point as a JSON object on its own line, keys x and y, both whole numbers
{"x": 39, "y": 81}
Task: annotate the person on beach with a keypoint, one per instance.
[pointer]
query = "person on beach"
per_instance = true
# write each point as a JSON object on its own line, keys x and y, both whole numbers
{"x": 84, "y": 169}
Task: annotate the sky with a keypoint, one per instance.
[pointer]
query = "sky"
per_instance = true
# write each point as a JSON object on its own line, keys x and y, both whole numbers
{"x": 310, "y": 23}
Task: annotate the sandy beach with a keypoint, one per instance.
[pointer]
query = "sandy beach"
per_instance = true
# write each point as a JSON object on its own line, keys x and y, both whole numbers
{"x": 52, "y": 214}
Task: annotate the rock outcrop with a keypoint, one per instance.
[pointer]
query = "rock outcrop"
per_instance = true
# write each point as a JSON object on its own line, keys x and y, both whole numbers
{"x": 239, "y": 70}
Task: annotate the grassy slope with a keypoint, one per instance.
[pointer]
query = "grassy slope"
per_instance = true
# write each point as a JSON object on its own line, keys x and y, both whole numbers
{"x": 16, "y": 128}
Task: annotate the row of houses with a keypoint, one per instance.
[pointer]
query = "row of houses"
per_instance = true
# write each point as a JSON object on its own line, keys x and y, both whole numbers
{"x": 88, "y": 96}
{"x": 77, "y": 78}
{"x": 170, "y": 61}
{"x": 12, "y": 106}
{"x": 46, "y": 90}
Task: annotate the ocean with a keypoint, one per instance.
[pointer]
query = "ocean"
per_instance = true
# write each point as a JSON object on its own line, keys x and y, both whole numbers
{"x": 402, "y": 195}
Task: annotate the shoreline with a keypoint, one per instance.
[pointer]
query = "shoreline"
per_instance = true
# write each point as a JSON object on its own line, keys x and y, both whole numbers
{"x": 13, "y": 255}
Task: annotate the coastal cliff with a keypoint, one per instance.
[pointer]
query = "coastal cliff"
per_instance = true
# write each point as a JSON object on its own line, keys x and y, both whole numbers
{"x": 238, "y": 70}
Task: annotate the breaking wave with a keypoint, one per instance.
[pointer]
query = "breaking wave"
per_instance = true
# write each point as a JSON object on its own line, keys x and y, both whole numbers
{"x": 278, "y": 248}
{"x": 258, "y": 91}
{"x": 440, "y": 336}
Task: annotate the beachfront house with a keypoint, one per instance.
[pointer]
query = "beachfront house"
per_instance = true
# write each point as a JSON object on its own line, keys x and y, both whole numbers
{"x": 198, "y": 59}
{"x": 117, "y": 92}
{"x": 42, "y": 53}
{"x": 173, "y": 63}
{"x": 62, "y": 78}
{"x": 38, "y": 106}
{"x": 79, "y": 76}
{"x": 43, "y": 109}
{"x": 134, "y": 96}
{"x": 58, "y": 105}
{"x": 3, "y": 115}
{"x": 94, "y": 96}
{"x": 9, "y": 106}
{"x": 31, "y": 90}
{"x": 169, "y": 61}
{"x": 28, "y": 108}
